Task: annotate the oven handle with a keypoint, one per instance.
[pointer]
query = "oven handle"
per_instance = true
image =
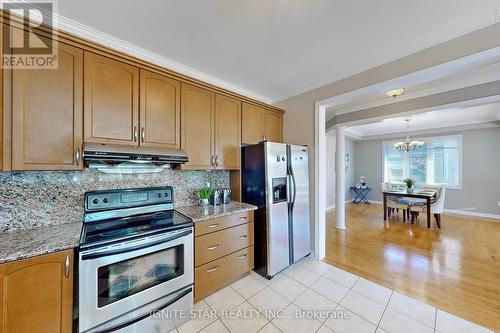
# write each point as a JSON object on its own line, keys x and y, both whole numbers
{"x": 91, "y": 256}
{"x": 144, "y": 316}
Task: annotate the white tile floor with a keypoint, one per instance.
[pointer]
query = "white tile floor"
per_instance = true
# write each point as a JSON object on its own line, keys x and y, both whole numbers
{"x": 249, "y": 304}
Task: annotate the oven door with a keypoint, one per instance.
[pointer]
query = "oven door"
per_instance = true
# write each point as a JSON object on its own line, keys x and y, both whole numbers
{"x": 121, "y": 278}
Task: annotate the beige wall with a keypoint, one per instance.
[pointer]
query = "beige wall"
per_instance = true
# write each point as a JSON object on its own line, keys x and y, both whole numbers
{"x": 298, "y": 125}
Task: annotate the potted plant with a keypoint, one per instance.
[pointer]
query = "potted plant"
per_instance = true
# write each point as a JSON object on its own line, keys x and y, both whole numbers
{"x": 204, "y": 195}
{"x": 409, "y": 185}
{"x": 362, "y": 180}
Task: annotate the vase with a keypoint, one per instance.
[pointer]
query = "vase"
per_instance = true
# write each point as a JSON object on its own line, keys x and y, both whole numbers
{"x": 204, "y": 202}
{"x": 409, "y": 190}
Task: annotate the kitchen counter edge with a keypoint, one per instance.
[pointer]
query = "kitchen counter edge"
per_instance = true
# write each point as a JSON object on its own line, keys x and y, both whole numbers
{"x": 28, "y": 243}
{"x": 203, "y": 213}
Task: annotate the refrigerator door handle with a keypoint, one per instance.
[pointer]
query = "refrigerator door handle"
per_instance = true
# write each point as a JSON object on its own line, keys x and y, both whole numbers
{"x": 289, "y": 189}
{"x": 293, "y": 189}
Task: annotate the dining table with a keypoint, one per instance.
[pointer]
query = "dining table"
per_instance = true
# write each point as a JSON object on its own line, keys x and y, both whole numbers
{"x": 424, "y": 194}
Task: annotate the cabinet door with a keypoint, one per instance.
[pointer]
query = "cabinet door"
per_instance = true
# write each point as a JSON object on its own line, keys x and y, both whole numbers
{"x": 37, "y": 294}
{"x": 252, "y": 125}
{"x": 197, "y": 126}
{"x": 111, "y": 104}
{"x": 227, "y": 133}
{"x": 160, "y": 110}
{"x": 47, "y": 114}
{"x": 273, "y": 126}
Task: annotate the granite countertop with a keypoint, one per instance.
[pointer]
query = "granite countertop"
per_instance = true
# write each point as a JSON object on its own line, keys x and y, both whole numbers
{"x": 26, "y": 243}
{"x": 202, "y": 213}
{"x": 22, "y": 244}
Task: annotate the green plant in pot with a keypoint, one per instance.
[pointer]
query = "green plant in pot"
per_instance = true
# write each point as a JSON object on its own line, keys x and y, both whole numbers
{"x": 204, "y": 195}
{"x": 409, "y": 184}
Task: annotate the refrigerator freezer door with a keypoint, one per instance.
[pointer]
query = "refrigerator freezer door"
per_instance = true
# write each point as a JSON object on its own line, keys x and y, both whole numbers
{"x": 300, "y": 218}
{"x": 277, "y": 209}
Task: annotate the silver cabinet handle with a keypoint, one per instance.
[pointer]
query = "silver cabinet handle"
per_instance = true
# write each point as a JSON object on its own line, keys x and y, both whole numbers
{"x": 66, "y": 267}
{"x": 135, "y": 133}
{"x": 212, "y": 269}
{"x": 243, "y": 237}
{"x": 142, "y": 134}
{"x": 243, "y": 218}
{"x": 77, "y": 156}
{"x": 212, "y": 161}
{"x": 213, "y": 225}
{"x": 243, "y": 256}
{"x": 216, "y": 160}
{"x": 213, "y": 247}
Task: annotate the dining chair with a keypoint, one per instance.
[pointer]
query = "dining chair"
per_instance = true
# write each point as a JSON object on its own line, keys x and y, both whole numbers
{"x": 395, "y": 203}
{"x": 437, "y": 206}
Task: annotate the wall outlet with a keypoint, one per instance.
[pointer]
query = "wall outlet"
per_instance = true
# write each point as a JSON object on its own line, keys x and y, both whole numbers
{"x": 498, "y": 204}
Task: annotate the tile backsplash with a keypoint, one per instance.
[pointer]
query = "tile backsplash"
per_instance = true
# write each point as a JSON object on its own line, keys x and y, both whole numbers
{"x": 33, "y": 199}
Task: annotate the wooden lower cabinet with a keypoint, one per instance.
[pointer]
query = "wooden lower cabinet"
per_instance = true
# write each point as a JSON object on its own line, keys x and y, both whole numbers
{"x": 223, "y": 252}
{"x": 218, "y": 244}
{"x": 219, "y": 273}
{"x": 37, "y": 294}
{"x": 208, "y": 226}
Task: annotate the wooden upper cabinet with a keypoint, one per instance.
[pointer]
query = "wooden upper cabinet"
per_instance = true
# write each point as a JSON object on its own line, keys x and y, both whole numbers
{"x": 260, "y": 124}
{"x": 47, "y": 114}
{"x": 111, "y": 101}
{"x": 37, "y": 294}
{"x": 227, "y": 132}
{"x": 252, "y": 125}
{"x": 197, "y": 126}
{"x": 160, "y": 110}
{"x": 273, "y": 126}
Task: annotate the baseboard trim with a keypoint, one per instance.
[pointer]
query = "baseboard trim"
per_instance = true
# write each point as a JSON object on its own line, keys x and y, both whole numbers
{"x": 458, "y": 212}
{"x": 470, "y": 213}
{"x": 332, "y": 207}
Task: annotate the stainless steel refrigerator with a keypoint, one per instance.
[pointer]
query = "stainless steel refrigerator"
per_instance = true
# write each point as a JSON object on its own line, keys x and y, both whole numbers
{"x": 275, "y": 178}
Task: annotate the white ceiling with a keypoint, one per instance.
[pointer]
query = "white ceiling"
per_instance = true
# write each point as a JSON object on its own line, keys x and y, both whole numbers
{"x": 281, "y": 48}
{"x": 437, "y": 119}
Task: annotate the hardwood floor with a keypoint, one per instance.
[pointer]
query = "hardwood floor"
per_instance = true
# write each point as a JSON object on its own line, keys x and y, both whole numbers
{"x": 456, "y": 268}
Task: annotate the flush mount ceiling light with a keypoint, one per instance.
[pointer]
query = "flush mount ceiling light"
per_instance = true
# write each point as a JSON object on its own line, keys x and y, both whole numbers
{"x": 395, "y": 92}
{"x": 408, "y": 144}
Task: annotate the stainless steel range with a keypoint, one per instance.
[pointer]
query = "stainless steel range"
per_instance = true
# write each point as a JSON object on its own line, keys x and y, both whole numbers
{"x": 136, "y": 258}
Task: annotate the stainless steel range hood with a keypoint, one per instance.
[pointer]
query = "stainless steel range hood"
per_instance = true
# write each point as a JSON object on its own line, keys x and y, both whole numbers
{"x": 110, "y": 153}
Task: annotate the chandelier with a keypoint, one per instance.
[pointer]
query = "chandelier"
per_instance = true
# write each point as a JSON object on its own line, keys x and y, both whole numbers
{"x": 408, "y": 144}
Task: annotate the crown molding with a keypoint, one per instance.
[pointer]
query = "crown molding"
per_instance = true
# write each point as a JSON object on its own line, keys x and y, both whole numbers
{"x": 94, "y": 35}
{"x": 118, "y": 44}
{"x": 434, "y": 131}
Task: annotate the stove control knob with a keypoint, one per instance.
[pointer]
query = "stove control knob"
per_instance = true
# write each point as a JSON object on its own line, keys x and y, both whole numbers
{"x": 166, "y": 194}
{"x": 105, "y": 200}
{"x": 95, "y": 201}
{"x": 159, "y": 195}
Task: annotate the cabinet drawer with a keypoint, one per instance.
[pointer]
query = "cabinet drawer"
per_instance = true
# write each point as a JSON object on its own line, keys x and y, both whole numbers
{"x": 219, "y": 273}
{"x": 218, "y": 244}
{"x": 208, "y": 226}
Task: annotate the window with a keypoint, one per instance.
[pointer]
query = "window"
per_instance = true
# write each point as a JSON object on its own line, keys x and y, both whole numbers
{"x": 437, "y": 162}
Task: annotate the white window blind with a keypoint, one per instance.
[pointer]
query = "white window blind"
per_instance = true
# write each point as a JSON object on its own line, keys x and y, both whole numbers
{"x": 437, "y": 162}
